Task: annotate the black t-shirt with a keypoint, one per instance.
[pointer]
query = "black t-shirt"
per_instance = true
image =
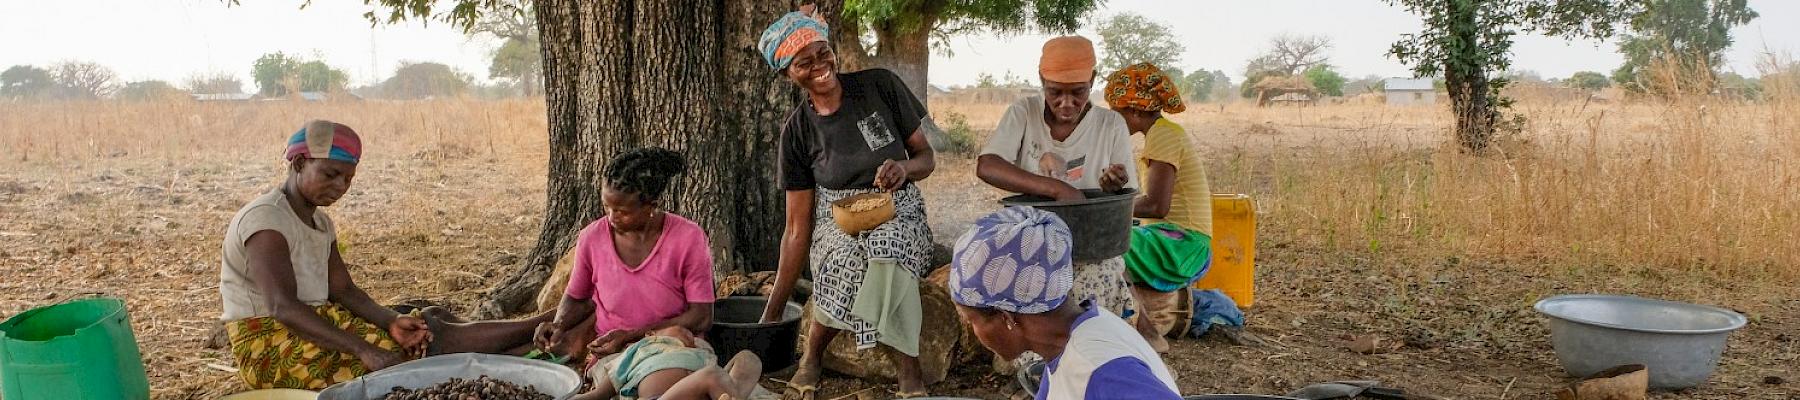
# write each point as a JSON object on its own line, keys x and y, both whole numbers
{"x": 843, "y": 150}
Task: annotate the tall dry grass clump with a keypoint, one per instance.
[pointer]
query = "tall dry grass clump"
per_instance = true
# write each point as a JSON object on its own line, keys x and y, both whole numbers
{"x": 89, "y": 133}
{"x": 1692, "y": 182}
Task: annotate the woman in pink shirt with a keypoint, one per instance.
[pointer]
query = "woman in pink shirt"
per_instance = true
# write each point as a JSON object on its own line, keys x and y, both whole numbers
{"x": 638, "y": 269}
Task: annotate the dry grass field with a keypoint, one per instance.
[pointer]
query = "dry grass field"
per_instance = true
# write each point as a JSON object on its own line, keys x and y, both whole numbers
{"x": 1370, "y": 223}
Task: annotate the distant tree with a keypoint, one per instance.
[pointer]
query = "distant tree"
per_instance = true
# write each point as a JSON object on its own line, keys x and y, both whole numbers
{"x": 1329, "y": 82}
{"x": 278, "y": 74}
{"x": 85, "y": 79}
{"x": 1589, "y": 80}
{"x": 1688, "y": 35}
{"x": 1199, "y": 85}
{"x": 1129, "y": 38}
{"x": 425, "y": 80}
{"x": 151, "y": 90}
{"x": 1733, "y": 85}
{"x": 214, "y": 83}
{"x": 519, "y": 59}
{"x": 986, "y": 81}
{"x": 1221, "y": 86}
{"x": 1286, "y": 55}
{"x": 1469, "y": 43}
{"x": 1523, "y": 75}
{"x": 24, "y": 82}
{"x": 1290, "y": 54}
{"x": 1365, "y": 84}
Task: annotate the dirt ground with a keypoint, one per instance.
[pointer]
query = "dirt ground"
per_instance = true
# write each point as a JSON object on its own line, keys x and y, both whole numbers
{"x": 443, "y": 222}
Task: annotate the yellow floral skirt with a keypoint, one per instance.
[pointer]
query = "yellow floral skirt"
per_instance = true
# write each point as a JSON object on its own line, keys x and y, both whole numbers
{"x": 269, "y": 356}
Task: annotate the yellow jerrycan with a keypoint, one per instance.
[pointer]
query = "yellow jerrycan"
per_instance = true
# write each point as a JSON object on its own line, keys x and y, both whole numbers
{"x": 1233, "y": 268}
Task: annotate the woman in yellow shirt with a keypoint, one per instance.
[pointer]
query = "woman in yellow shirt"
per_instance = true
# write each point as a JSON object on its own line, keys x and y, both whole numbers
{"x": 1171, "y": 246}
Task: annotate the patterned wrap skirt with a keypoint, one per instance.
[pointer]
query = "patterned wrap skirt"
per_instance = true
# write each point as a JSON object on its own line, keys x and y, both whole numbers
{"x": 269, "y": 356}
{"x": 839, "y": 260}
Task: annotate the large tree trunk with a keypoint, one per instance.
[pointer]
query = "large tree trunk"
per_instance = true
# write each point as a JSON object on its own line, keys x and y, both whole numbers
{"x": 624, "y": 74}
{"x": 907, "y": 53}
{"x": 1467, "y": 83}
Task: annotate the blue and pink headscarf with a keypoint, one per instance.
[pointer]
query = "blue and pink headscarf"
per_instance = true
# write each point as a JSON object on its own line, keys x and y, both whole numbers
{"x": 789, "y": 34}
{"x": 325, "y": 139}
{"x": 1015, "y": 260}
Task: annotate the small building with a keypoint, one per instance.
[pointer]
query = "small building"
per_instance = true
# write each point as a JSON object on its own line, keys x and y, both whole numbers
{"x": 1409, "y": 92}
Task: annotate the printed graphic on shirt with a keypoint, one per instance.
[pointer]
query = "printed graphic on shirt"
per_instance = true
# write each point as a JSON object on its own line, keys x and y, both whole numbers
{"x": 1052, "y": 165}
{"x": 875, "y": 131}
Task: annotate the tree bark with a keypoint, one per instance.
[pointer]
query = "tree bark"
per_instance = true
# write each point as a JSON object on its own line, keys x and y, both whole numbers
{"x": 908, "y": 53}
{"x": 624, "y": 74}
{"x": 1467, "y": 82}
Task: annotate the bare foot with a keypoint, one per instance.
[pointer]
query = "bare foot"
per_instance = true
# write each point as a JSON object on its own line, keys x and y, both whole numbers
{"x": 745, "y": 369}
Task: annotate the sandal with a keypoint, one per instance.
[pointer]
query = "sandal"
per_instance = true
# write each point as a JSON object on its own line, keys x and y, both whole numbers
{"x": 800, "y": 392}
{"x": 911, "y": 395}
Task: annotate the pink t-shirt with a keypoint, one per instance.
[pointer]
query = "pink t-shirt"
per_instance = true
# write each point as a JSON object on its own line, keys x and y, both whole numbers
{"x": 678, "y": 272}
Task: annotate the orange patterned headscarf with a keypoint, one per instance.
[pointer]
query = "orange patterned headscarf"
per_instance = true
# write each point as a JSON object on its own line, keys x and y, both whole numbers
{"x": 1144, "y": 87}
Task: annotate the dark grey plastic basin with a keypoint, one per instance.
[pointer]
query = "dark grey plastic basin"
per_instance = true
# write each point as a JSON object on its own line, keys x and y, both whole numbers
{"x": 1100, "y": 224}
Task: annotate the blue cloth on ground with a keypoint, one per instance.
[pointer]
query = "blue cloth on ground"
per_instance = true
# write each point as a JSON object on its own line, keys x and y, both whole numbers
{"x": 1213, "y": 307}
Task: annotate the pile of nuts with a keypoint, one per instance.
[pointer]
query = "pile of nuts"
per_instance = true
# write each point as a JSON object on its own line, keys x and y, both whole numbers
{"x": 483, "y": 388}
{"x": 865, "y": 204}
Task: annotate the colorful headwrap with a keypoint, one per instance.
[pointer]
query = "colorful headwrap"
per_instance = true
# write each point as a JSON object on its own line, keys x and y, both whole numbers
{"x": 1016, "y": 260}
{"x": 325, "y": 139}
{"x": 1144, "y": 87}
{"x": 789, "y": 34}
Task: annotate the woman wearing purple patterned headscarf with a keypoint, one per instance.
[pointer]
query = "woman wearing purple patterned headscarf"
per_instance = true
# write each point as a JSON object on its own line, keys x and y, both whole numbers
{"x": 1010, "y": 278}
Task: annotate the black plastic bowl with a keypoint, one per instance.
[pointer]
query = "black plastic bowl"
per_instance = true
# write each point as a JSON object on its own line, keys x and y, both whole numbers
{"x": 736, "y": 328}
{"x": 1100, "y": 225}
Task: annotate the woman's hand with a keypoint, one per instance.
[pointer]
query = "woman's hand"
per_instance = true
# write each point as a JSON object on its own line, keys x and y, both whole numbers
{"x": 411, "y": 333}
{"x": 613, "y": 342}
{"x": 377, "y": 359}
{"x": 890, "y": 176}
{"x": 1114, "y": 178}
{"x": 547, "y": 336}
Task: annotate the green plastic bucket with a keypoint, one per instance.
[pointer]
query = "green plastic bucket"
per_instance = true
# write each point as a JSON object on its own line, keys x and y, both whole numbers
{"x": 81, "y": 349}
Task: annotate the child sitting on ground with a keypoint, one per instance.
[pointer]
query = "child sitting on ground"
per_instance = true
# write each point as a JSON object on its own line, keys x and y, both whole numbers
{"x": 671, "y": 363}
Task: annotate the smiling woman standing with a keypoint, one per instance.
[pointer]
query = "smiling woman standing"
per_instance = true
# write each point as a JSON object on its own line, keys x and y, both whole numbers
{"x": 855, "y": 133}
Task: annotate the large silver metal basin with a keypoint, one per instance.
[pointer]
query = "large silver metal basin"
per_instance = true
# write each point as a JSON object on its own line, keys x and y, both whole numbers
{"x": 555, "y": 380}
{"x": 1679, "y": 343}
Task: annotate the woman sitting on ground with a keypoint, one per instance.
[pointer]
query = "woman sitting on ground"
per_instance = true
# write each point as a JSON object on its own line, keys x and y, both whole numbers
{"x": 1172, "y": 245}
{"x": 637, "y": 270}
{"x": 294, "y": 316}
{"x": 1010, "y": 277}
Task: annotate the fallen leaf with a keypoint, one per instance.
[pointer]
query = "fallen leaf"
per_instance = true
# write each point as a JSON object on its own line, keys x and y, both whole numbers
{"x": 1366, "y": 344}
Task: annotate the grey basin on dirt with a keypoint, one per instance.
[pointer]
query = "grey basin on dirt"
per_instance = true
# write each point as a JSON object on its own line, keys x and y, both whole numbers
{"x": 1679, "y": 343}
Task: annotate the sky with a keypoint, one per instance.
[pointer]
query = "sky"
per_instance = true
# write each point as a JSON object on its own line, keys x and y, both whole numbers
{"x": 173, "y": 39}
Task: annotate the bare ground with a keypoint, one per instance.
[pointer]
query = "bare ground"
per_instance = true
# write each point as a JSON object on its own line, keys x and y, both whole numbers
{"x": 441, "y": 224}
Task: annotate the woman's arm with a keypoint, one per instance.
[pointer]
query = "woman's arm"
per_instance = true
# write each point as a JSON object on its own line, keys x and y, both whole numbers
{"x": 1001, "y": 174}
{"x": 697, "y": 319}
{"x": 920, "y": 162}
{"x": 796, "y": 245}
{"x": 1158, "y": 191}
{"x": 274, "y": 271}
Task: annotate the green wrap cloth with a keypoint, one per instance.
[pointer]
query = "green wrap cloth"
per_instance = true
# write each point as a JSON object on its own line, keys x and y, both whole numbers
{"x": 1166, "y": 256}
{"x": 656, "y": 353}
{"x": 889, "y": 298}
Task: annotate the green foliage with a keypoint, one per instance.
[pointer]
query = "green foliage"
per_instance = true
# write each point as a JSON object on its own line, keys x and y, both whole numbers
{"x": 950, "y": 17}
{"x": 959, "y": 137}
{"x": 1198, "y": 85}
{"x": 1589, "y": 80}
{"x": 1469, "y": 42}
{"x": 150, "y": 90}
{"x": 278, "y": 74}
{"x": 1737, "y": 86}
{"x": 521, "y": 62}
{"x": 22, "y": 82}
{"x": 463, "y": 14}
{"x": 1691, "y": 35}
{"x": 1326, "y": 79}
{"x": 425, "y": 80}
{"x": 1128, "y": 38}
